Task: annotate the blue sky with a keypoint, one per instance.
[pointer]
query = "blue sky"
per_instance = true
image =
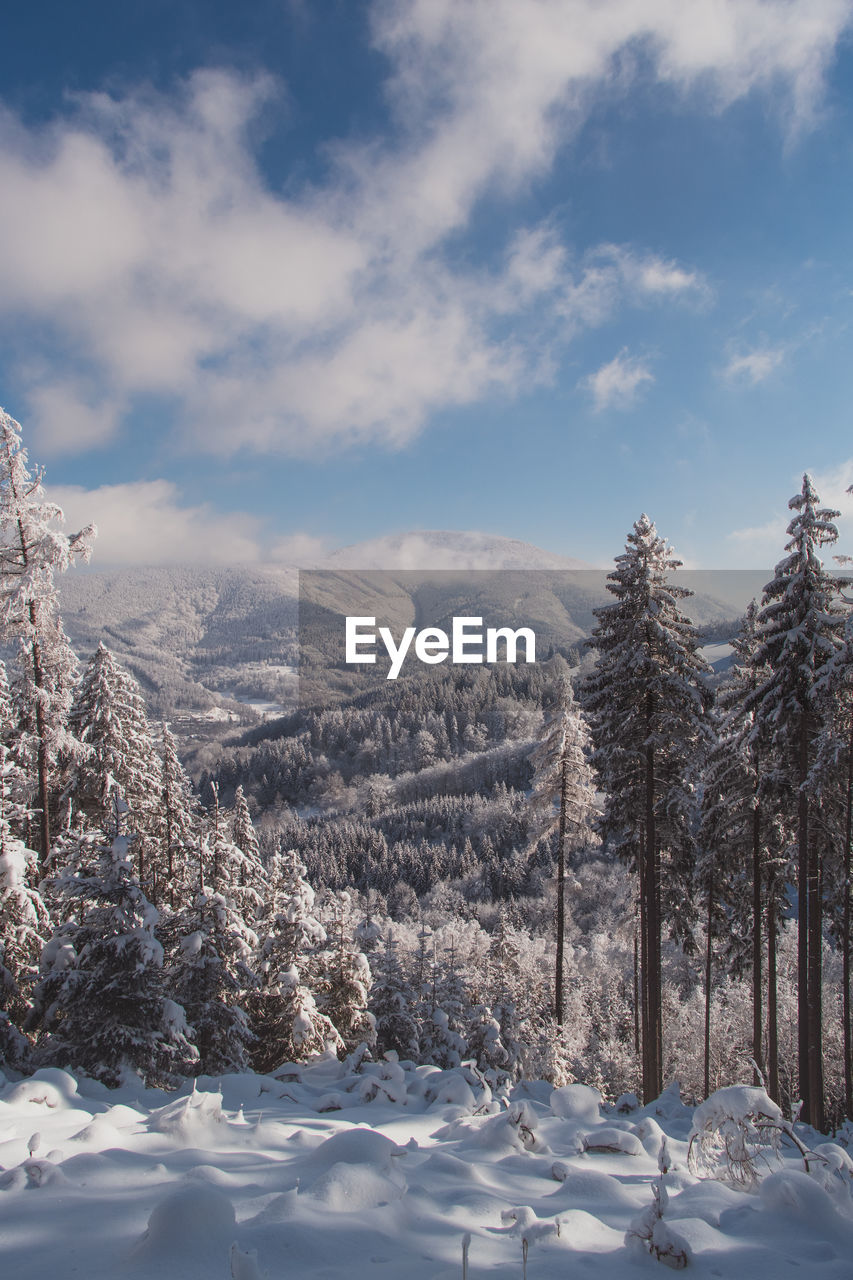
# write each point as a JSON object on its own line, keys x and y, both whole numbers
{"x": 276, "y": 277}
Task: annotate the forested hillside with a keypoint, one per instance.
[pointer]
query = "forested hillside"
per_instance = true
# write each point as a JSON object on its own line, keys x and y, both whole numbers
{"x": 613, "y": 864}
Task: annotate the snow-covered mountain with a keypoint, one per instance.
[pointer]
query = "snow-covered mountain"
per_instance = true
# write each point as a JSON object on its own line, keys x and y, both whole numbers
{"x": 447, "y": 549}
{"x": 193, "y": 634}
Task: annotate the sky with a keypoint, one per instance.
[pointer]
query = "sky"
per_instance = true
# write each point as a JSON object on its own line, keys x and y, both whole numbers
{"x": 283, "y": 275}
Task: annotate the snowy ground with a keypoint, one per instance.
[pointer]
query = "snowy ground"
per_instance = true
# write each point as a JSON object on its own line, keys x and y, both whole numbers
{"x": 255, "y": 1177}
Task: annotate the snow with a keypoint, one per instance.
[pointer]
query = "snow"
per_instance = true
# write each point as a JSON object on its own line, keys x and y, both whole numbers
{"x": 250, "y": 1177}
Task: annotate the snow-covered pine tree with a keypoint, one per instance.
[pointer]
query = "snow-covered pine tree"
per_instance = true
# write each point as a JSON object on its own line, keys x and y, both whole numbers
{"x": 486, "y": 1046}
{"x": 392, "y": 1003}
{"x": 24, "y": 920}
{"x": 241, "y": 855}
{"x": 108, "y": 717}
{"x": 177, "y": 831}
{"x": 101, "y": 1000}
{"x": 742, "y": 865}
{"x": 504, "y": 993}
{"x": 646, "y": 701}
{"x": 288, "y": 1024}
{"x": 562, "y": 797}
{"x": 450, "y": 1012}
{"x": 344, "y": 987}
{"x": 800, "y": 631}
{"x": 211, "y": 950}
{"x": 833, "y": 773}
{"x": 32, "y": 550}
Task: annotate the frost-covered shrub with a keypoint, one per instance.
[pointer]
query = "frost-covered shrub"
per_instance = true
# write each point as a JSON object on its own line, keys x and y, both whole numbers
{"x": 733, "y": 1131}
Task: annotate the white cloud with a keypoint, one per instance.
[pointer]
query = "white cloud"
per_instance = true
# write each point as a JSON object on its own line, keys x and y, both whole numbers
{"x": 765, "y": 543}
{"x": 754, "y": 366}
{"x": 762, "y": 544}
{"x": 144, "y": 523}
{"x": 616, "y": 385}
{"x": 143, "y": 239}
{"x": 66, "y": 416}
{"x": 833, "y": 486}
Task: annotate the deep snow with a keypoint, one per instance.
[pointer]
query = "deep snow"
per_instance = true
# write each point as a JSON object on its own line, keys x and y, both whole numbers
{"x": 255, "y": 1176}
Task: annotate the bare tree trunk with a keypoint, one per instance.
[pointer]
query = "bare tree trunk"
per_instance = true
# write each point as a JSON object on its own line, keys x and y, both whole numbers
{"x": 708, "y": 958}
{"x": 757, "y": 1011}
{"x": 803, "y": 927}
{"x": 772, "y": 996}
{"x": 815, "y": 1002}
{"x": 845, "y": 937}
{"x": 42, "y": 763}
{"x": 636, "y": 986}
{"x": 652, "y": 1030}
{"x": 561, "y": 891}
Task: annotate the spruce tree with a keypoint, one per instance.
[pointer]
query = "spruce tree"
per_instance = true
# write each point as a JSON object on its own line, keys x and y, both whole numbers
{"x": 345, "y": 981}
{"x": 177, "y": 825}
{"x": 562, "y": 797}
{"x": 101, "y": 1002}
{"x": 800, "y": 632}
{"x": 646, "y": 701}
{"x": 212, "y": 952}
{"x": 288, "y": 1024}
{"x": 393, "y": 1002}
{"x": 24, "y": 920}
{"x": 742, "y": 868}
{"x": 32, "y": 550}
{"x": 108, "y": 718}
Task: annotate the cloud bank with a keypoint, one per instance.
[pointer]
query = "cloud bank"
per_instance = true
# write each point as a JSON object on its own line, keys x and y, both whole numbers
{"x": 150, "y": 255}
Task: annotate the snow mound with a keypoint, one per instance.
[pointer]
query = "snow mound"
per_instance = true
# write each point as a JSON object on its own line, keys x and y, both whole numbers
{"x": 585, "y": 1232}
{"x": 50, "y": 1088}
{"x": 363, "y": 1147}
{"x": 348, "y": 1188}
{"x": 616, "y": 1141}
{"x": 588, "y": 1187}
{"x": 513, "y": 1130}
{"x": 189, "y": 1120}
{"x": 797, "y": 1195}
{"x": 576, "y": 1102}
{"x": 189, "y": 1236}
{"x": 99, "y": 1133}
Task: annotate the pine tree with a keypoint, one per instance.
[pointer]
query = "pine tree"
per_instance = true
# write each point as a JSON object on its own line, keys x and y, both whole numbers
{"x": 646, "y": 702}
{"x": 32, "y": 550}
{"x": 345, "y": 982}
{"x": 24, "y": 920}
{"x": 800, "y": 628}
{"x": 562, "y": 798}
{"x": 743, "y": 864}
{"x": 101, "y": 1000}
{"x": 177, "y": 825}
{"x": 288, "y": 1024}
{"x": 211, "y": 952}
{"x": 108, "y": 717}
{"x": 392, "y": 1003}
{"x": 241, "y": 855}
{"x": 833, "y": 775}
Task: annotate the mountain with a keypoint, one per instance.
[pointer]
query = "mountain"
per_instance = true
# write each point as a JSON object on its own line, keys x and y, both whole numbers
{"x": 221, "y": 642}
{"x": 444, "y": 549}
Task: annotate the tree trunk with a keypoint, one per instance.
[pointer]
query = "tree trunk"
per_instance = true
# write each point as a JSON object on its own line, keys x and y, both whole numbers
{"x": 708, "y": 957}
{"x": 637, "y": 1040}
{"x": 42, "y": 763}
{"x": 803, "y": 925}
{"x": 757, "y": 1011}
{"x": 772, "y": 996}
{"x": 561, "y": 889}
{"x": 652, "y": 1029}
{"x": 845, "y": 937}
{"x": 815, "y": 1003}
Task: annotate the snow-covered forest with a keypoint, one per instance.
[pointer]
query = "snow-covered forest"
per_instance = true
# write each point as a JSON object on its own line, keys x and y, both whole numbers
{"x": 611, "y": 867}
